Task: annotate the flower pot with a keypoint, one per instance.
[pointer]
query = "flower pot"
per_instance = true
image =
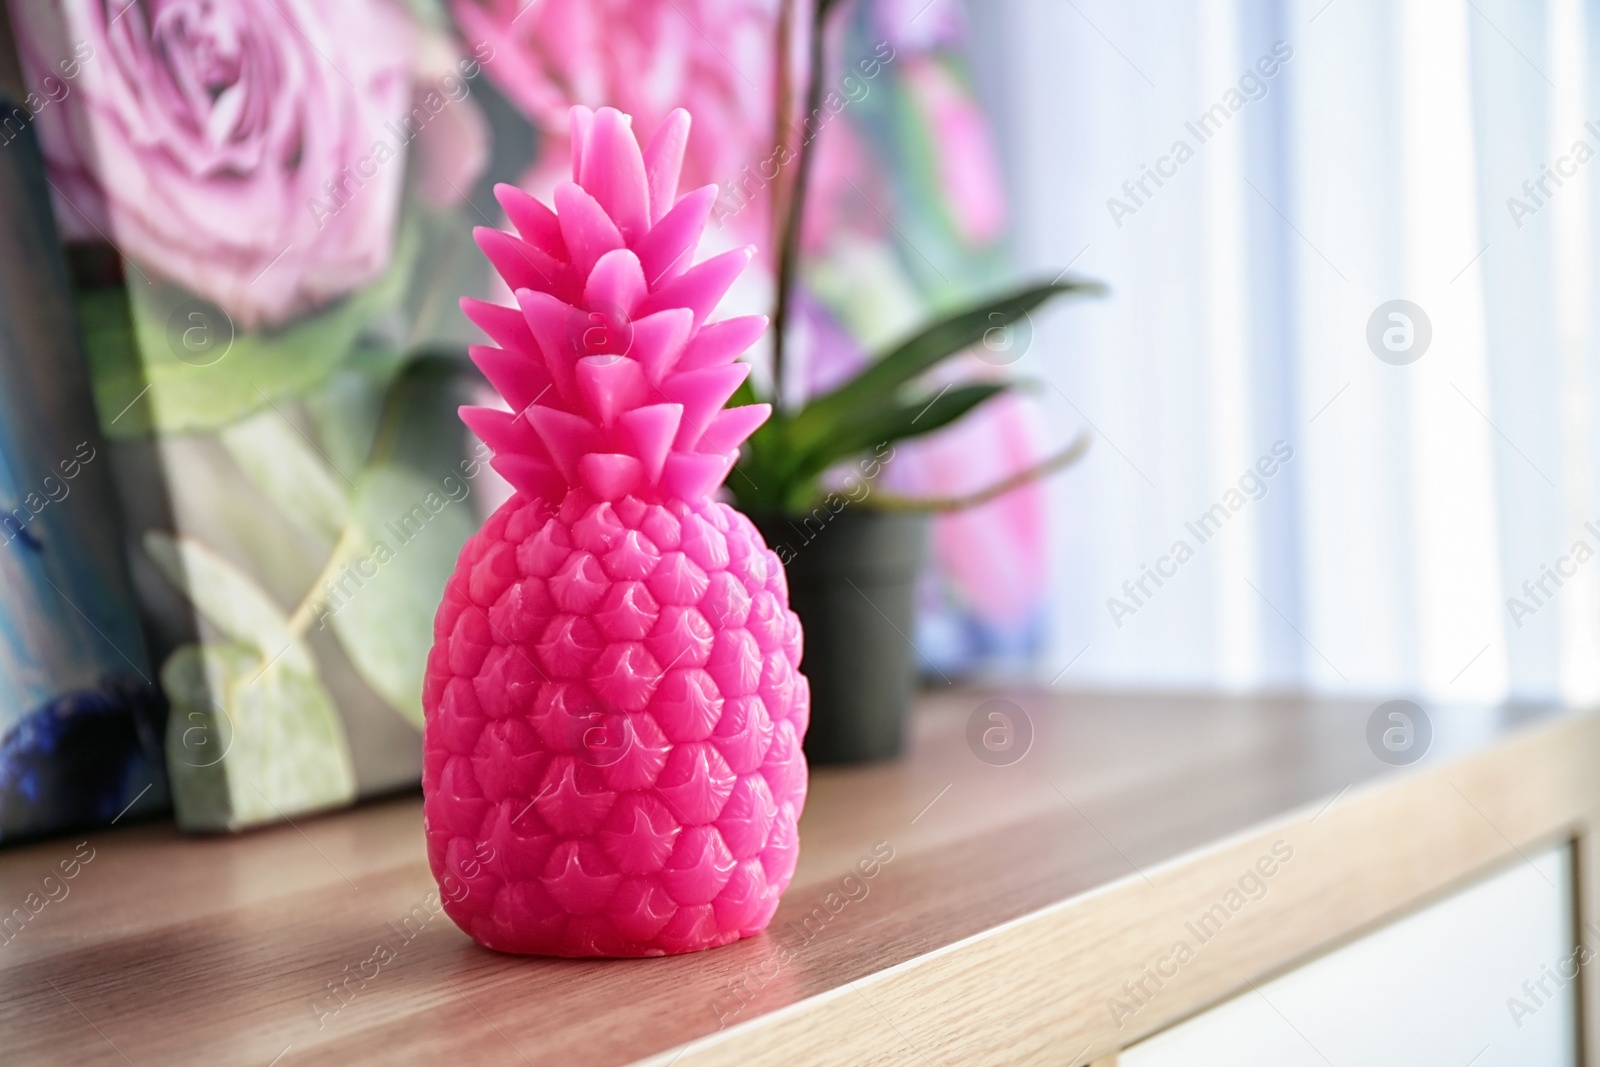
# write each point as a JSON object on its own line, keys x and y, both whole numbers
{"x": 852, "y": 579}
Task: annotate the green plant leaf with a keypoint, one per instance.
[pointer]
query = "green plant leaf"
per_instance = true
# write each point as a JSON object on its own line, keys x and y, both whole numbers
{"x": 252, "y": 736}
{"x": 431, "y": 306}
{"x": 279, "y": 459}
{"x": 830, "y": 413}
{"x": 409, "y": 549}
{"x": 411, "y": 513}
{"x": 248, "y": 743}
{"x": 347, "y": 408}
{"x": 227, "y": 598}
{"x": 889, "y": 424}
{"x": 163, "y": 360}
{"x": 754, "y": 481}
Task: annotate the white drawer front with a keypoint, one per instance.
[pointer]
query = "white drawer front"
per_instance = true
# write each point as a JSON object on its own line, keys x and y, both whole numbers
{"x": 1445, "y": 986}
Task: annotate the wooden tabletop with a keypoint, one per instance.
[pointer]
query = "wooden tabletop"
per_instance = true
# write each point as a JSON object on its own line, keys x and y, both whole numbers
{"x": 1006, "y": 903}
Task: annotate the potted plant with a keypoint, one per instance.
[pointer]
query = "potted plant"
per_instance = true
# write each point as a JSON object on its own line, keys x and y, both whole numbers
{"x": 852, "y": 557}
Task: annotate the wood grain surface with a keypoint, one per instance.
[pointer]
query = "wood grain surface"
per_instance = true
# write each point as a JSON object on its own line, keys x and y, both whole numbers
{"x": 1006, "y": 907}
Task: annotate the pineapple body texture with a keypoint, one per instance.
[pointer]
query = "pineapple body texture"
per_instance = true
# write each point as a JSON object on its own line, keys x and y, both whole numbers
{"x": 614, "y": 712}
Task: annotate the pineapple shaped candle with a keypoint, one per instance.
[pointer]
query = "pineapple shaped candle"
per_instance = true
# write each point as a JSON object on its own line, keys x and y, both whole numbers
{"x": 612, "y": 761}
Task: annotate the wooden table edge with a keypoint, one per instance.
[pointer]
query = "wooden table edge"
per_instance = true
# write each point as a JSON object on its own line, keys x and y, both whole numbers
{"x": 1035, "y": 989}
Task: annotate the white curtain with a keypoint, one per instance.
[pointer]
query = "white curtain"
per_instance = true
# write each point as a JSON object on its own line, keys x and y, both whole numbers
{"x": 1377, "y": 162}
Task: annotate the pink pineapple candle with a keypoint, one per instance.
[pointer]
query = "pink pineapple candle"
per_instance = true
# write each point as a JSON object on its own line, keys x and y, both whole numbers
{"x": 612, "y": 761}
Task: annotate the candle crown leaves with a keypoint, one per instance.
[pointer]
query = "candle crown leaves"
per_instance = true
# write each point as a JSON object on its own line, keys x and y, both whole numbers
{"x": 616, "y": 378}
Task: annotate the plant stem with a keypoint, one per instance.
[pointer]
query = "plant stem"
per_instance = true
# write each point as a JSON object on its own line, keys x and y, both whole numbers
{"x": 789, "y": 243}
{"x": 305, "y": 611}
{"x": 1065, "y": 458}
{"x": 782, "y": 112}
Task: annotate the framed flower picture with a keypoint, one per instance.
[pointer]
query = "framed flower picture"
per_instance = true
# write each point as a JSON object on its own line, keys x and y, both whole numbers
{"x": 268, "y": 209}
